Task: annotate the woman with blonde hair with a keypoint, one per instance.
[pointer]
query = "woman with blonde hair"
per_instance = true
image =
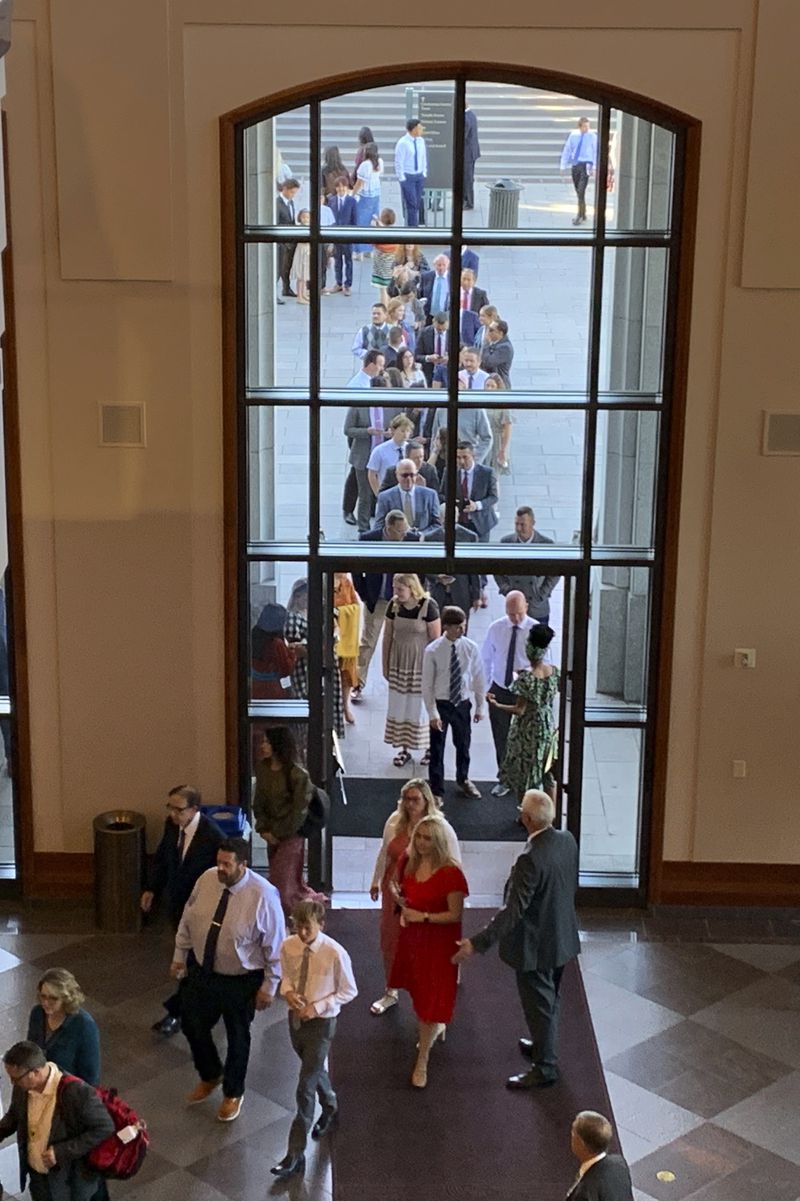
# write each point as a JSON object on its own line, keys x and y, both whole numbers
{"x": 430, "y": 889}
{"x": 411, "y": 622}
{"x": 67, "y": 1034}
{"x": 416, "y": 801}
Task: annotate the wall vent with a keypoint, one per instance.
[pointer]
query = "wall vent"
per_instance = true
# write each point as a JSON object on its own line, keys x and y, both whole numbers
{"x": 122, "y": 425}
{"x": 781, "y": 434}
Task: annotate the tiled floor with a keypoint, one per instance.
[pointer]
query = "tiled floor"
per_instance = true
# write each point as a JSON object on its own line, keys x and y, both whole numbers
{"x": 697, "y": 1017}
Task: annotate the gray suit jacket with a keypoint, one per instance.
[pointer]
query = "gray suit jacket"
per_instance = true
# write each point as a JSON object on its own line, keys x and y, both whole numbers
{"x": 607, "y": 1180}
{"x": 484, "y": 489}
{"x": 356, "y": 424}
{"x": 537, "y": 930}
{"x": 537, "y": 588}
{"x": 426, "y": 508}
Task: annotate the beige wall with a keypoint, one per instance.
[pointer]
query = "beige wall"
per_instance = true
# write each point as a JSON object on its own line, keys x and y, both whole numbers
{"x": 116, "y": 229}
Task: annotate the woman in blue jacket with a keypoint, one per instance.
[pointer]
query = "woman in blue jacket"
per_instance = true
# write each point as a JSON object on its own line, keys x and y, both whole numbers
{"x": 67, "y": 1034}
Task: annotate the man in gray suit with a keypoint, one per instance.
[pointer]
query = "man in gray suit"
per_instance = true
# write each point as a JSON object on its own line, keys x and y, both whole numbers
{"x": 365, "y": 428}
{"x": 602, "y": 1176}
{"x": 476, "y": 492}
{"x": 418, "y": 504}
{"x": 535, "y": 588}
{"x": 537, "y": 933}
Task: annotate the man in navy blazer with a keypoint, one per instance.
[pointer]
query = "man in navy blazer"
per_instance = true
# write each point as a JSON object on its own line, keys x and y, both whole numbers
{"x": 418, "y": 504}
{"x": 188, "y": 847}
{"x": 536, "y": 932}
{"x": 343, "y": 208}
{"x": 602, "y": 1176}
{"x": 476, "y": 492}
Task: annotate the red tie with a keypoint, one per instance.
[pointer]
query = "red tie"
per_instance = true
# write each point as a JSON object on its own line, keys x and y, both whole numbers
{"x": 464, "y": 300}
{"x": 464, "y": 485}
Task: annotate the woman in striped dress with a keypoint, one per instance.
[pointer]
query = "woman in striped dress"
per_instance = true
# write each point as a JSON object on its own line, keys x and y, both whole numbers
{"x": 412, "y": 621}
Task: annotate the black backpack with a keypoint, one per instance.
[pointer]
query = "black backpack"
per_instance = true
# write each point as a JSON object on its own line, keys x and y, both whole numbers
{"x": 317, "y": 815}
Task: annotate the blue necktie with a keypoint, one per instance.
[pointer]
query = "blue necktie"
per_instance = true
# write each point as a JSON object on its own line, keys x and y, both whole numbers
{"x": 577, "y": 158}
{"x": 416, "y": 156}
{"x": 455, "y": 676}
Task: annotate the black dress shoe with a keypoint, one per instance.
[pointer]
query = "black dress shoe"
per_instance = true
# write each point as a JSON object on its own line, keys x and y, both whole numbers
{"x": 531, "y": 1079}
{"x": 289, "y": 292}
{"x": 327, "y": 1121}
{"x": 349, "y": 518}
{"x": 526, "y": 1047}
{"x": 289, "y": 1166}
{"x": 167, "y": 1026}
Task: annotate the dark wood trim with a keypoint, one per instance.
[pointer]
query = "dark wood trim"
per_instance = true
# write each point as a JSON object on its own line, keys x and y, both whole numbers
{"x": 230, "y": 451}
{"x": 671, "y": 509}
{"x": 769, "y": 884}
{"x": 526, "y": 76}
{"x": 58, "y": 874}
{"x": 15, "y": 600}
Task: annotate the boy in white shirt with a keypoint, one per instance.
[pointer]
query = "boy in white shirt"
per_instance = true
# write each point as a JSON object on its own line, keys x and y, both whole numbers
{"x": 317, "y": 980}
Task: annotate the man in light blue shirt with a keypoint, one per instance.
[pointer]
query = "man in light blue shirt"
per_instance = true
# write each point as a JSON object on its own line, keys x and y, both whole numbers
{"x": 580, "y": 156}
{"x": 411, "y": 168}
{"x": 373, "y": 364}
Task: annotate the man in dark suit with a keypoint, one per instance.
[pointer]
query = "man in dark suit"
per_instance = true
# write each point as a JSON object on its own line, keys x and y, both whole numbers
{"x": 434, "y": 287}
{"x": 536, "y": 589}
{"x": 432, "y": 346}
{"x": 602, "y": 1177}
{"x": 188, "y": 847}
{"x": 472, "y": 298}
{"x": 286, "y": 216}
{"x": 343, "y": 208}
{"x": 472, "y": 152}
{"x": 537, "y": 933}
{"x": 426, "y": 471}
{"x": 476, "y": 492}
{"x": 497, "y": 353}
{"x": 53, "y": 1150}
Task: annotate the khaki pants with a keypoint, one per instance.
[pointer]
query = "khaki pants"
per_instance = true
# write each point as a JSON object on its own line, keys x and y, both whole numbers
{"x": 370, "y": 633}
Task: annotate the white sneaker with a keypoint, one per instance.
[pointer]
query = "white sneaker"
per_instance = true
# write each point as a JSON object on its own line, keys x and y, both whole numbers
{"x": 500, "y": 790}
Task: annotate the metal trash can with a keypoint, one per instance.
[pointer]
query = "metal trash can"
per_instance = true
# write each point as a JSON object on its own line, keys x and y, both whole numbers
{"x": 504, "y": 204}
{"x": 119, "y": 850}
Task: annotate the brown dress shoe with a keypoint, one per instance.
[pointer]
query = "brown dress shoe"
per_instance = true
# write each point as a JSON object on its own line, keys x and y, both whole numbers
{"x": 230, "y": 1109}
{"x": 204, "y": 1089}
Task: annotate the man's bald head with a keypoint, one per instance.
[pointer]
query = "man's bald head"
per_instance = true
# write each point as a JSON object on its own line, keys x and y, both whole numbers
{"x": 516, "y": 607}
{"x": 537, "y": 811}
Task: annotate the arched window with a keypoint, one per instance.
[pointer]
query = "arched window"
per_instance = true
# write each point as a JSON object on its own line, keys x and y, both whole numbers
{"x": 498, "y": 257}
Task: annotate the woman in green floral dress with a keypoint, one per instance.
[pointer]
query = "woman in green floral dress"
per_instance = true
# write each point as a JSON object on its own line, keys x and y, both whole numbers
{"x": 532, "y": 744}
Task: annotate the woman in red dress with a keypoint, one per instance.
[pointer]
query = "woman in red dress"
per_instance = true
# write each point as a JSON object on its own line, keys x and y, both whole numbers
{"x": 416, "y": 801}
{"x": 430, "y": 889}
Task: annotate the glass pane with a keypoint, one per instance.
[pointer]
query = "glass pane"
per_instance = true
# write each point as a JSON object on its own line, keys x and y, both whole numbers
{"x": 258, "y": 729}
{"x": 277, "y": 445}
{"x": 277, "y": 326}
{"x": 278, "y": 631}
{"x": 535, "y": 462}
{"x": 275, "y": 151}
{"x": 626, "y": 458}
{"x": 359, "y": 467}
{"x": 610, "y": 807}
{"x": 633, "y": 318}
{"x": 639, "y": 189}
{"x": 410, "y": 172}
{"x": 619, "y": 634}
{"x": 7, "y": 851}
{"x": 522, "y": 147}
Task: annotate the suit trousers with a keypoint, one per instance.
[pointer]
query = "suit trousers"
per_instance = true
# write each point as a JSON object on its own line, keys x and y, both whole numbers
{"x": 580, "y": 180}
{"x": 370, "y": 633}
{"x": 500, "y": 721}
{"x": 350, "y": 493}
{"x": 311, "y": 1041}
{"x": 285, "y": 256}
{"x": 539, "y": 993}
{"x": 456, "y": 718}
{"x": 411, "y": 189}
{"x": 343, "y": 264}
{"x": 210, "y": 996}
{"x": 366, "y": 500}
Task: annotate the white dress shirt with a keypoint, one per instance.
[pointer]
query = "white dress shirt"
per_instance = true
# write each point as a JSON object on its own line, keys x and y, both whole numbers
{"x": 389, "y": 831}
{"x": 436, "y": 673}
{"x": 251, "y": 933}
{"x": 404, "y": 157}
{"x": 189, "y": 833}
{"x": 494, "y": 652}
{"x": 330, "y": 983}
{"x": 479, "y": 378}
{"x": 589, "y": 1163}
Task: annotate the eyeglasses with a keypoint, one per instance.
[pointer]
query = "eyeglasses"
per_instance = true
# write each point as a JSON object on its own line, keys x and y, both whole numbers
{"x": 408, "y": 475}
{"x": 21, "y": 1076}
{"x": 178, "y": 808}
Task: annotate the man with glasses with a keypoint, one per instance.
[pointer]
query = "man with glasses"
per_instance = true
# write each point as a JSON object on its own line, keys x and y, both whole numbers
{"x": 56, "y": 1126}
{"x": 188, "y": 848}
{"x": 418, "y": 504}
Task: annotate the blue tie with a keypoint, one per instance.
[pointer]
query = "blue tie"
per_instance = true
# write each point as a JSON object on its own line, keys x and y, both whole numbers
{"x": 416, "y": 156}
{"x": 455, "y": 676}
{"x": 580, "y": 147}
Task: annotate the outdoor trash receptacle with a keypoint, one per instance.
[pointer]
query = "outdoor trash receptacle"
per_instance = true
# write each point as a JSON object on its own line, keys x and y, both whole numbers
{"x": 504, "y": 204}
{"x": 119, "y": 850}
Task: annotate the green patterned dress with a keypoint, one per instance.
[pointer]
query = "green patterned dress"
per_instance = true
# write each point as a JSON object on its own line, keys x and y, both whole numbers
{"x": 532, "y": 745}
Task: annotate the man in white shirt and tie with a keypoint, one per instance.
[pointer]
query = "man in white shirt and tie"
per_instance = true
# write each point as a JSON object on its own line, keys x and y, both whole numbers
{"x": 471, "y": 375}
{"x": 389, "y": 453}
{"x": 503, "y": 656}
{"x": 451, "y": 671}
{"x": 411, "y": 168}
{"x": 316, "y": 980}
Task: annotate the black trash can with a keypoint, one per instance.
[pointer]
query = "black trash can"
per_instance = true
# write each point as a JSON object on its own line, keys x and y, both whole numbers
{"x": 119, "y": 850}
{"x": 504, "y": 204}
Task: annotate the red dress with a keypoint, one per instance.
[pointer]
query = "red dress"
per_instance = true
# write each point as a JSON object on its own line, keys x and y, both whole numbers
{"x": 424, "y": 949}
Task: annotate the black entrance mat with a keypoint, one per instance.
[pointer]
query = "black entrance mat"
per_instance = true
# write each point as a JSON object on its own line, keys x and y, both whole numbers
{"x": 465, "y": 1136}
{"x": 369, "y": 803}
